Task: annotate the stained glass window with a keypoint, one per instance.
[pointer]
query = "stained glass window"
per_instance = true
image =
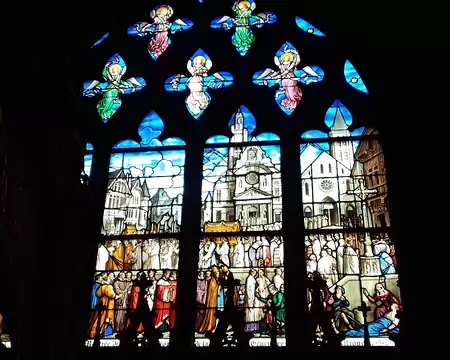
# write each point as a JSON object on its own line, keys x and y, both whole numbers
{"x": 87, "y": 162}
{"x": 240, "y": 276}
{"x": 348, "y": 244}
{"x": 307, "y": 27}
{"x": 241, "y": 228}
{"x": 198, "y": 82}
{"x": 288, "y": 77}
{"x": 243, "y": 22}
{"x": 99, "y": 41}
{"x": 141, "y": 223}
{"x": 4, "y": 335}
{"x": 113, "y": 86}
{"x": 352, "y": 77}
{"x": 159, "y": 29}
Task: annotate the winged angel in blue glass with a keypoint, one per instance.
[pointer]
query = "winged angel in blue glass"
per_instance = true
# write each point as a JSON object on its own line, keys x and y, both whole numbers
{"x": 113, "y": 86}
{"x": 287, "y": 77}
{"x": 199, "y": 81}
{"x": 159, "y": 29}
{"x": 243, "y": 37}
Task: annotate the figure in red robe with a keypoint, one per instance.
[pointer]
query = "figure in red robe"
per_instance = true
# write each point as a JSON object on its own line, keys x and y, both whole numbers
{"x": 163, "y": 302}
{"x": 140, "y": 316}
{"x": 134, "y": 303}
{"x": 384, "y": 300}
{"x": 173, "y": 283}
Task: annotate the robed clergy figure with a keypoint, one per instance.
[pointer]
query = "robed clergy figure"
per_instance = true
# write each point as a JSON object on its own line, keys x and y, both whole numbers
{"x": 212, "y": 301}
{"x": 165, "y": 295}
{"x": 103, "y": 318}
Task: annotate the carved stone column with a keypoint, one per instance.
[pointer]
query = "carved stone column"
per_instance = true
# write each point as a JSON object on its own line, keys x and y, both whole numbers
{"x": 370, "y": 264}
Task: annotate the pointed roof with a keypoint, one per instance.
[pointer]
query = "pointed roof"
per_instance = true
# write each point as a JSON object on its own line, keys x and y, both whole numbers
{"x": 339, "y": 122}
{"x": 144, "y": 189}
{"x": 161, "y": 198}
{"x": 261, "y": 193}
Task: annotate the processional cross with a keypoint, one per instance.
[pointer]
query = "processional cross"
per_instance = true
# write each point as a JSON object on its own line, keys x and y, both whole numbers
{"x": 362, "y": 193}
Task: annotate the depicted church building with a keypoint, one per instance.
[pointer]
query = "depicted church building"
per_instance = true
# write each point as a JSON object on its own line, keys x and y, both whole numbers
{"x": 129, "y": 204}
{"x": 250, "y": 189}
{"x": 339, "y": 188}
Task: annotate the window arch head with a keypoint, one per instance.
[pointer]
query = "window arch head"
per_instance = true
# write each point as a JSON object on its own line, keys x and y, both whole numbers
{"x": 241, "y": 188}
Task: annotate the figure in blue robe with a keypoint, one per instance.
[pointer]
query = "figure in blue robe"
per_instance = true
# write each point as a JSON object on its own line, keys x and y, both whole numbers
{"x": 386, "y": 263}
{"x": 375, "y": 328}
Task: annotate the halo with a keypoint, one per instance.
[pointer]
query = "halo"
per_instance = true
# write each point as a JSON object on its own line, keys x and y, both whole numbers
{"x": 198, "y": 59}
{"x": 242, "y": 3}
{"x": 115, "y": 68}
{"x": 162, "y": 10}
{"x": 288, "y": 55}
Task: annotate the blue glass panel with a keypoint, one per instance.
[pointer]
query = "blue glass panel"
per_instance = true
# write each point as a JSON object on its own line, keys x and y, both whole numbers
{"x": 218, "y": 139}
{"x": 266, "y": 137}
{"x": 337, "y": 111}
{"x": 314, "y": 134}
{"x": 173, "y": 142}
{"x": 352, "y": 77}
{"x": 245, "y": 119}
{"x": 307, "y": 27}
{"x": 99, "y": 41}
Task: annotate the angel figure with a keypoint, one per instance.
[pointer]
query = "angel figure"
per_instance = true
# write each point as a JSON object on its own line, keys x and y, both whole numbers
{"x": 159, "y": 29}
{"x": 243, "y": 37}
{"x": 113, "y": 86}
{"x": 287, "y": 77}
{"x": 198, "y": 66}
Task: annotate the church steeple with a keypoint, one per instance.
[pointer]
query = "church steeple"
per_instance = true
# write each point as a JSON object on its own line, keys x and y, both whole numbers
{"x": 240, "y": 134}
{"x": 339, "y": 127}
{"x": 341, "y": 151}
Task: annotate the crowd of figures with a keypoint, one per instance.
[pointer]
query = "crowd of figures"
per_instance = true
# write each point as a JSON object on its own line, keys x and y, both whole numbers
{"x": 258, "y": 301}
{"x": 118, "y": 295}
{"x": 331, "y": 313}
{"x": 120, "y": 255}
{"x": 240, "y": 286}
{"x": 337, "y": 255}
{"x": 336, "y": 297}
{"x": 240, "y": 252}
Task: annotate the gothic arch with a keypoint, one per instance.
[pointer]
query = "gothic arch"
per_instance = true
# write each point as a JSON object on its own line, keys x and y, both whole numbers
{"x": 241, "y": 197}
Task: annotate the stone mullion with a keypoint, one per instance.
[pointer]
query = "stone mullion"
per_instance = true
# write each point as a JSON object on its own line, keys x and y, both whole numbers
{"x": 183, "y": 334}
{"x": 293, "y": 235}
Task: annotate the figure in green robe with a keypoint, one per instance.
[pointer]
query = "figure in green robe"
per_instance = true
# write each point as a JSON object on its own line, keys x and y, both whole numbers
{"x": 112, "y": 87}
{"x": 243, "y": 37}
{"x": 278, "y": 304}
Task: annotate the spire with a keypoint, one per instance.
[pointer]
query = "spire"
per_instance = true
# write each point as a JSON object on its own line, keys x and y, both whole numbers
{"x": 339, "y": 122}
{"x": 238, "y": 121}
